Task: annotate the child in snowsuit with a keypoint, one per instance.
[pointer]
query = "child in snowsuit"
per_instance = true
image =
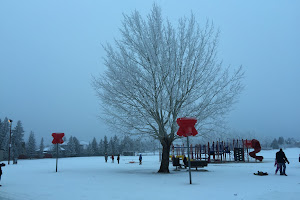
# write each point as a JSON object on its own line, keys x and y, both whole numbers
{"x": 112, "y": 158}
{"x": 106, "y": 157}
{"x": 277, "y": 166}
{"x": 118, "y": 158}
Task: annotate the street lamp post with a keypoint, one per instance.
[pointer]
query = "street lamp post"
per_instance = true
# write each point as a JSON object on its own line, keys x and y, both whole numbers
{"x": 9, "y": 147}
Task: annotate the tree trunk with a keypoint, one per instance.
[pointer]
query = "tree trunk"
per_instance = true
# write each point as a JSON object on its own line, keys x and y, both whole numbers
{"x": 164, "y": 165}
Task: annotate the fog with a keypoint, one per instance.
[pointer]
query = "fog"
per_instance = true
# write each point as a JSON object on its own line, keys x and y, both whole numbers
{"x": 49, "y": 51}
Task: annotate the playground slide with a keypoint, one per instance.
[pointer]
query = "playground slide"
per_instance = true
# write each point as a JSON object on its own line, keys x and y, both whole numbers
{"x": 256, "y": 146}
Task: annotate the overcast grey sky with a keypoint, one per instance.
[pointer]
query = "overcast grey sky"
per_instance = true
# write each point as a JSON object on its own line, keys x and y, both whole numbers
{"x": 50, "y": 49}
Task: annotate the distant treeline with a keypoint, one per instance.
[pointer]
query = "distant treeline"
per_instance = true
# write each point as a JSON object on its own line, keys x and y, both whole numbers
{"x": 73, "y": 147}
{"x": 112, "y": 146}
{"x": 16, "y": 138}
{"x": 284, "y": 143}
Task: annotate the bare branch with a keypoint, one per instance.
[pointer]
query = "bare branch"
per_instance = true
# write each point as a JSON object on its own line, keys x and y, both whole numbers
{"x": 157, "y": 73}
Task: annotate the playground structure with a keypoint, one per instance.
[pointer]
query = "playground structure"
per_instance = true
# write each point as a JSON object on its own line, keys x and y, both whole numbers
{"x": 220, "y": 151}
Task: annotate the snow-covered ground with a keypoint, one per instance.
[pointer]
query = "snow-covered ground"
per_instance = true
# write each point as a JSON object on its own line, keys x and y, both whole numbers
{"x": 91, "y": 178}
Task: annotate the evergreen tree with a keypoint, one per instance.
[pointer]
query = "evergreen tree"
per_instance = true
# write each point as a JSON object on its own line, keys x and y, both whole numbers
{"x": 17, "y": 140}
{"x": 64, "y": 139}
{"x": 94, "y": 147}
{"x": 31, "y": 146}
{"x": 41, "y": 151}
{"x": 116, "y": 145}
{"x": 290, "y": 141}
{"x": 77, "y": 146}
{"x": 4, "y": 134}
{"x": 274, "y": 144}
{"x": 1, "y": 135}
{"x": 70, "y": 147}
{"x": 111, "y": 147}
{"x": 101, "y": 148}
{"x": 280, "y": 141}
{"x": 105, "y": 145}
{"x": 126, "y": 144}
{"x": 89, "y": 150}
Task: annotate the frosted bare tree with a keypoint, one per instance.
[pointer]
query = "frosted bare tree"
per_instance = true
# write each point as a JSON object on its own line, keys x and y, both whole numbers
{"x": 157, "y": 73}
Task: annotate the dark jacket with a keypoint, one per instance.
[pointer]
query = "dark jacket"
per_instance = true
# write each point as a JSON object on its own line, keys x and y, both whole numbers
{"x": 185, "y": 160}
{"x": 1, "y": 165}
{"x": 280, "y": 157}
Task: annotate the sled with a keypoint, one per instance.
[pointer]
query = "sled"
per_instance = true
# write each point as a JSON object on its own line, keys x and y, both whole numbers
{"x": 261, "y": 173}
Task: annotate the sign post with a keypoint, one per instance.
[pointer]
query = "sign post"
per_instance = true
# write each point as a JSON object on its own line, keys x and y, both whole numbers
{"x": 57, "y": 139}
{"x": 56, "y": 156}
{"x": 189, "y": 160}
{"x": 186, "y": 129}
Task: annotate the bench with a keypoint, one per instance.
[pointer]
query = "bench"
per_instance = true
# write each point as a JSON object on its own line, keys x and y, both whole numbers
{"x": 198, "y": 163}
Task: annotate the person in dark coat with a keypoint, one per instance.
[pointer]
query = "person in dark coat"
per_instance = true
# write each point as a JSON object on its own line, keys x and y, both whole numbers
{"x": 140, "y": 159}
{"x": 185, "y": 162}
{"x": 118, "y": 158}
{"x": 281, "y": 160}
{"x": 1, "y": 165}
{"x": 105, "y": 157}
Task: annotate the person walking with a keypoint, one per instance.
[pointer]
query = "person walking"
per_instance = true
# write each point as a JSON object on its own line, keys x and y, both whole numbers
{"x": 281, "y": 160}
{"x": 277, "y": 166}
{"x": 118, "y": 158}
{"x": 140, "y": 159}
{"x": 106, "y": 157}
{"x": 1, "y": 165}
{"x": 112, "y": 158}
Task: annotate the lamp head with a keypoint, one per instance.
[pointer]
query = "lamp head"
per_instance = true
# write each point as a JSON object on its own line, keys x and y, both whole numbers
{"x": 10, "y": 120}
